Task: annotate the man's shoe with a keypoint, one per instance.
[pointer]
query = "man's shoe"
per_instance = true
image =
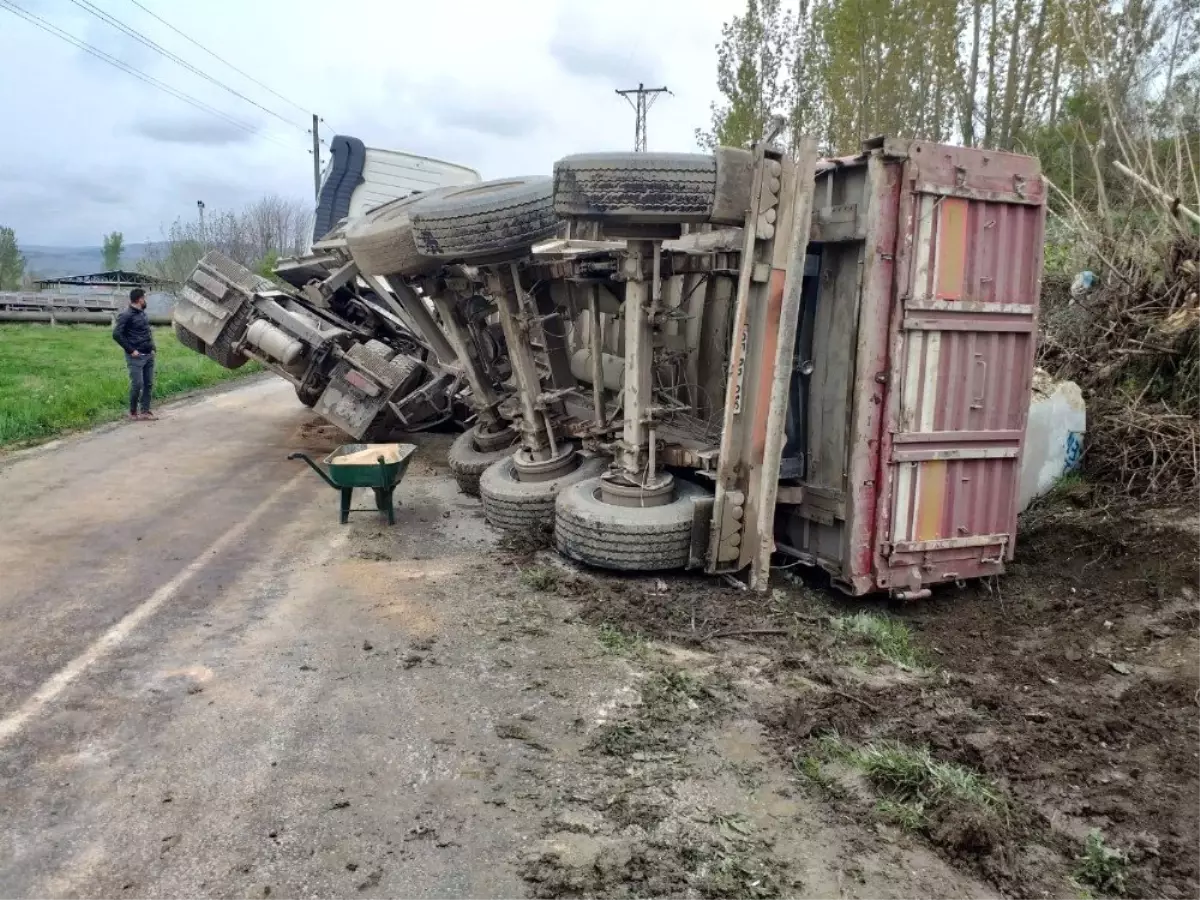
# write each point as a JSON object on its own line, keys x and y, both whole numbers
{"x": 135, "y": 417}
{"x": 148, "y": 416}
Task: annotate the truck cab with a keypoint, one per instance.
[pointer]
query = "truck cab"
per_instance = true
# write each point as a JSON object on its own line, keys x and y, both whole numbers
{"x": 358, "y": 178}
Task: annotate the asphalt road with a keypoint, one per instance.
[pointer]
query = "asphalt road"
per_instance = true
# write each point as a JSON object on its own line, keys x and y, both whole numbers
{"x": 209, "y": 688}
{"x": 191, "y": 702}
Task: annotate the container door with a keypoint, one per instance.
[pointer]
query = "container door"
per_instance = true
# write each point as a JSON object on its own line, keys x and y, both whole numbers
{"x": 961, "y": 363}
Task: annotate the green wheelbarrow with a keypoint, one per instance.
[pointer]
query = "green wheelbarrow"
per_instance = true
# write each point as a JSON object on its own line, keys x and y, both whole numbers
{"x": 376, "y": 466}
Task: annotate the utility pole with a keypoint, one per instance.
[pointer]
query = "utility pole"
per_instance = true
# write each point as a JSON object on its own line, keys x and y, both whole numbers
{"x": 316, "y": 152}
{"x": 645, "y": 99}
{"x": 203, "y": 239}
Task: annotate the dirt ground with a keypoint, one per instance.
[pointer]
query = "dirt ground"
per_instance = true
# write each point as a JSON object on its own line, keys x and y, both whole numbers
{"x": 1071, "y": 685}
{"x": 225, "y": 693}
{"x": 299, "y": 708}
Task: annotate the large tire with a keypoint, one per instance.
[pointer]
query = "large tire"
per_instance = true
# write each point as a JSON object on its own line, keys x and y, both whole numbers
{"x": 188, "y": 339}
{"x": 487, "y": 222}
{"x": 467, "y": 461}
{"x": 382, "y": 241}
{"x": 527, "y": 505}
{"x": 641, "y": 188}
{"x": 626, "y": 538}
{"x": 222, "y": 351}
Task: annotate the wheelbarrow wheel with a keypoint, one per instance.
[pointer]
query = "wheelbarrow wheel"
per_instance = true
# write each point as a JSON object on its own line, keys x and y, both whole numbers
{"x": 527, "y": 505}
{"x": 625, "y": 538}
{"x": 473, "y": 452}
{"x": 384, "y": 502}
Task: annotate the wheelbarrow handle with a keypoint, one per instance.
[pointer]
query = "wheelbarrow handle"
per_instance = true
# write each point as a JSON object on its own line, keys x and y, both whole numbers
{"x": 316, "y": 468}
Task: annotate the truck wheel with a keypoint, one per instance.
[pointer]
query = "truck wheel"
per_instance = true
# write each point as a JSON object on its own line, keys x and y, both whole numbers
{"x": 526, "y": 505}
{"x": 382, "y": 241}
{"x": 467, "y": 459}
{"x": 626, "y": 538}
{"x": 488, "y": 222}
{"x": 222, "y": 351}
{"x": 188, "y": 339}
{"x": 640, "y": 188}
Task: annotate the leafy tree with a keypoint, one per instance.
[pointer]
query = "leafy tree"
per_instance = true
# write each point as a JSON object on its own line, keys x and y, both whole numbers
{"x": 12, "y": 263}
{"x": 266, "y": 266}
{"x": 263, "y": 231}
{"x": 753, "y": 74}
{"x": 999, "y": 74}
{"x": 114, "y": 245}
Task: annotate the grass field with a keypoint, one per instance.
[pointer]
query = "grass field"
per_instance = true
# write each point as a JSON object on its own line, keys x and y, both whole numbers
{"x": 65, "y": 377}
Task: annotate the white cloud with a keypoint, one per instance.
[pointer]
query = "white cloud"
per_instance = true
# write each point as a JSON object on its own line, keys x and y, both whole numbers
{"x": 197, "y": 129}
{"x": 505, "y": 88}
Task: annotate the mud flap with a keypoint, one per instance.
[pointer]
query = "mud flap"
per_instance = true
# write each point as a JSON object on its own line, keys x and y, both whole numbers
{"x": 351, "y": 401}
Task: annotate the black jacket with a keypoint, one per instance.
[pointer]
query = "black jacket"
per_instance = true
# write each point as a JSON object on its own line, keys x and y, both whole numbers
{"x": 132, "y": 331}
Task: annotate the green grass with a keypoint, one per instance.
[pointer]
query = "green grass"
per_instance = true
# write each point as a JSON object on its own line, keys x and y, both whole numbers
{"x": 1101, "y": 866}
{"x": 66, "y": 377}
{"x": 618, "y": 642}
{"x": 908, "y": 815}
{"x": 891, "y": 637}
{"x": 912, "y": 781}
{"x": 540, "y": 578}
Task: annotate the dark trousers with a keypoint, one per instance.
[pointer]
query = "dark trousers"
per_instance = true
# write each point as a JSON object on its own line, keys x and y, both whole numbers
{"x": 141, "y": 380}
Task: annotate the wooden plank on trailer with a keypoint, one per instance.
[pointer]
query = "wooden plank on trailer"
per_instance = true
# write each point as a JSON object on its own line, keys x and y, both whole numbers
{"x": 714, "y": 344}
{"x": 791, "y": 250}
{"x": 726, "y": 537}
{"x": 834, "y": 345}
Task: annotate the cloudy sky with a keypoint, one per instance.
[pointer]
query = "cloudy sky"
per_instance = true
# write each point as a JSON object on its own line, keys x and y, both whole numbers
{"x": 504, "y": 87}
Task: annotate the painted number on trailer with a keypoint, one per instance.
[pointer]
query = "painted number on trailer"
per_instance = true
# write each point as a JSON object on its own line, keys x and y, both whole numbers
{"x": 744, "y": 342}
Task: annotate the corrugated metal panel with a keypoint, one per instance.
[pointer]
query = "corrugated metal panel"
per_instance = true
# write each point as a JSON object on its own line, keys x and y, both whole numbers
{"x": 964, "y": 334}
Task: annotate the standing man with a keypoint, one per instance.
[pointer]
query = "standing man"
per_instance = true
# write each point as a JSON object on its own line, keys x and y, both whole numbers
{"x": 133, "y": 333}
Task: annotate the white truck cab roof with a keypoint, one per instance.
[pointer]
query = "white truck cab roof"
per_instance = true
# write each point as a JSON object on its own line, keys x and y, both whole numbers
{"x": 358, "y": 178}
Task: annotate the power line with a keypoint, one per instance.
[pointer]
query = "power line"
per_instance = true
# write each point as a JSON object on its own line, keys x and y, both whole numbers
{"x": 645, "y": 99}
{"x": 136, "y": 73}
{"x": 215, "y": 56}
{"x": 89, "y": 7}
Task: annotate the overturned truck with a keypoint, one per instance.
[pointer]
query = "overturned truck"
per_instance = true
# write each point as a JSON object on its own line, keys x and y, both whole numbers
{"x": 709, "y": 361}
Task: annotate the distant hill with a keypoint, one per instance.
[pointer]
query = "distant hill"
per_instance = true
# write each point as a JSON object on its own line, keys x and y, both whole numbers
{"x": 43, "y": 261}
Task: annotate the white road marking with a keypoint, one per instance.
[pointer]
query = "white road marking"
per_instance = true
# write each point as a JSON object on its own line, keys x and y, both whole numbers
{"x": 111, "y": 639}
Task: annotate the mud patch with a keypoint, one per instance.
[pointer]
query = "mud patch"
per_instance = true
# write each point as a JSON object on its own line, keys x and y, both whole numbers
{"x": 687, "y": 865}
{"x": 1080, "y": 685}
{"x": 693, "y": 610}
{"x": 1071, "y": 684}
{"x": 524, "y": 544}
{"x": 318, "y": 436}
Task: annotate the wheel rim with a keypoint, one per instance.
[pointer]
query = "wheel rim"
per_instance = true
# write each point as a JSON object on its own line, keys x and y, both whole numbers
{"x": 616, "y": 492}
{"x": 487, "y": 441}
{"x": 529, "y": 469}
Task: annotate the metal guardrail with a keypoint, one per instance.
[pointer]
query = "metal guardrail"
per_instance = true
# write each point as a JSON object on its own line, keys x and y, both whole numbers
{"x": 57, "y": 317}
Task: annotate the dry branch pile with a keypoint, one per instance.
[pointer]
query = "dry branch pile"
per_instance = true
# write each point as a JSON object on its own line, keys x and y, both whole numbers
{"x": 1133, "y": 346}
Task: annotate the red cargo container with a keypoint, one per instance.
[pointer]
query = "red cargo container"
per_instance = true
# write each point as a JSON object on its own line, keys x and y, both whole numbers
{"x": 914, "y": 358}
